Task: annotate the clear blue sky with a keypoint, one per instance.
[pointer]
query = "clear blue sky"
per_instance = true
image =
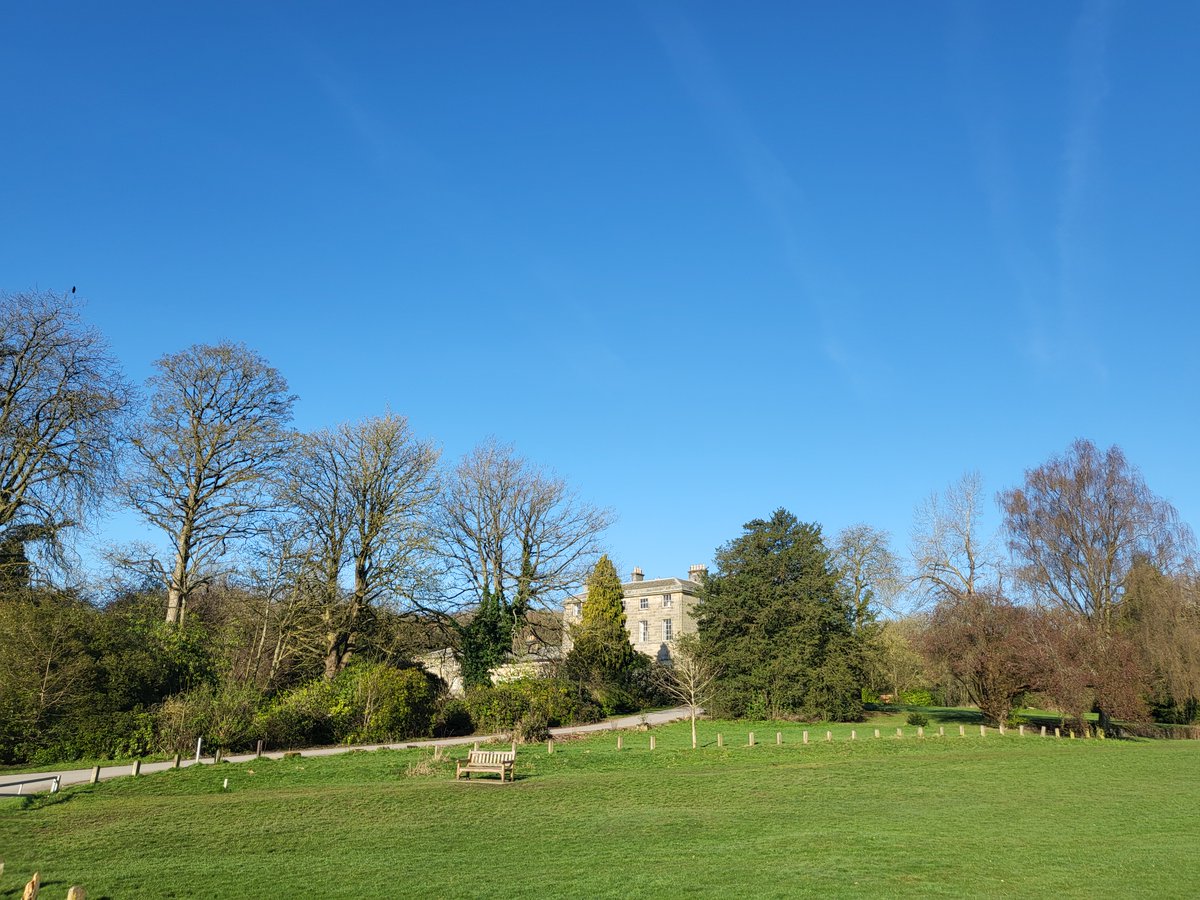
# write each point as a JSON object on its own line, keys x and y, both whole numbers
{"x": 703, "y": 259}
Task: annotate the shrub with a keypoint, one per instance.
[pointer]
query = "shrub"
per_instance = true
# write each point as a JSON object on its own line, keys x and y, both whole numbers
{"x": 388, "y": 703}
{"x": 920, "y": 697}
{"x": 224, "y": 716}
{"x": 917, "y": 719}
{"x": 453, "y": 718}
{"x": 500, "y": 707}
{"x": 302, "y": 717}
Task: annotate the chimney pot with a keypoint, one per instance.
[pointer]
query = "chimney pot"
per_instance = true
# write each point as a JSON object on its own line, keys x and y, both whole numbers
{"x": 637, "y": 575}
{"x": 696, "y": 573}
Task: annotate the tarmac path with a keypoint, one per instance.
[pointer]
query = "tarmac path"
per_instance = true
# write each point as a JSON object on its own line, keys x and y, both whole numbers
{"x": 35, "y": 782}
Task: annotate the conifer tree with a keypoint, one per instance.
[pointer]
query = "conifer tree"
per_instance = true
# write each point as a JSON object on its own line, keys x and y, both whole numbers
{"x": 602, "y": 660}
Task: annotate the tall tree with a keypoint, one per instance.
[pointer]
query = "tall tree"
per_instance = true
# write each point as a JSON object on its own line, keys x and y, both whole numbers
{"x": 602, "y": 660}
{"x": 1078, "y": 524}
{"x": 512, "y": 533}
{"x": 780, "y": 626}
{"x": 952, "y": 555}
{"x": 870, "y": 572}
{"x": 63, "y": 407}
{"x": 217, "y": 427}
{"x": 363, "y": 494}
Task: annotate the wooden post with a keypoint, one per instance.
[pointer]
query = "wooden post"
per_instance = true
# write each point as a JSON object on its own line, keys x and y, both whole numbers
{"x": 199, "y": 741}
{"x": 1020, "y": 731}
{"x": 514, "y": 746}
{"x": 550, "y": 745}
{"x": 217, "y": 756}
{"x": 77, "y": 892}
{"x": 1072, "y": 733}
{"x": 983, "y": 731}
{"x": 853, "y": 735}
{"x": 225, "y": 786}
{"x": 477, "y": 745}
{"x": 962, "y": 730}
{"x": 31, "y": 889}
{"x": 750, "y": 742}
{"x": 1002, "y": 729}
{"x": 899, "y": 732}
{"x": 1057, "y": 733}
{"x": 720, "y": 739}
{"x": 876, "y": 732}
{"x": 258, "y": 750}
{"x": 920, "y": 731}
{"x": 176, "y": 761}
{"x": 652, "y": 742}
{"x": 95, "y": 775}
{"x": 1043, "y": 731}
{"x": 806, "y": 737}
{"x": 620, "y": 741}
{"x": 137, "y": 767}
{"x": 941, "y": 731}
{"x": 828, "y": 736}
{"x": 778, "y": 738}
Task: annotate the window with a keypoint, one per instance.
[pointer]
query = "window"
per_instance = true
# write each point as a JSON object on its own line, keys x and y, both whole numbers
{"x": 666, "y": 629}
{"x": 643, "y": 632}
{"x": 666, "y": 601}
{"x": 645, "y": 603}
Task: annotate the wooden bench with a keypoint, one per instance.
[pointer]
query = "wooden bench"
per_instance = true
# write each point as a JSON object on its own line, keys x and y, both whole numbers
{"x": 499, "y": 762}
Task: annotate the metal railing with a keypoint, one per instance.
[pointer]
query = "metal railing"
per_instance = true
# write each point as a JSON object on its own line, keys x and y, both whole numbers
{"x": 20, "y": 785}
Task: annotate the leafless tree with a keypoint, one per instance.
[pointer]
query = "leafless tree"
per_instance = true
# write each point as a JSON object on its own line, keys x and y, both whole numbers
{"x": 63, "y": 407}
{"x": 690, "y": 676}
{"x": 513, "y": 532}
{"x": 870, "y": 572}
{"x": 951, "y": 554}
{"x": 362, "y": 494}
{"x": 217, "y": 427}
{"x": 1078, "y": 524}
{"x": 896, "y": 663}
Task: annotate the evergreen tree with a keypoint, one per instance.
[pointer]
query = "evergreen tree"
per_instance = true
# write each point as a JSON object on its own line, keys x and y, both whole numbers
{"x": 779, "y": 625}
{"x": 486, "y": 641}
{"x": 602, "y": 661}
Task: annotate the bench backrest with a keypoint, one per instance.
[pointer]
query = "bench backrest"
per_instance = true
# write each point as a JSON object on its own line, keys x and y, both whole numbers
{"x": 491, "y": 757}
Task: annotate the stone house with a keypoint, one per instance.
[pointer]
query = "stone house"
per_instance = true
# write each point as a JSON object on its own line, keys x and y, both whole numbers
{"x": 656, "y": 611}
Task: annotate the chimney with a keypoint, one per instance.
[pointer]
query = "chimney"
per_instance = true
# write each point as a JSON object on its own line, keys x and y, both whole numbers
{"x": 637, "y": 575}
{"x": 697, "y": 573}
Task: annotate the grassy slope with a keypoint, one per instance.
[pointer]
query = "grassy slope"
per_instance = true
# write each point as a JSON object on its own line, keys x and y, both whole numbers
{"x": 941, "y": 816}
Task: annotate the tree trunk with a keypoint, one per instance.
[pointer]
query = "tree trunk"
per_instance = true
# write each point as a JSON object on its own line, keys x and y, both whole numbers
{"x": 693, "y": 728}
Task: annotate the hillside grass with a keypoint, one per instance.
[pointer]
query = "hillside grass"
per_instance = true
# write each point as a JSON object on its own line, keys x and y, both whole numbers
{"x": 940, "y": 816}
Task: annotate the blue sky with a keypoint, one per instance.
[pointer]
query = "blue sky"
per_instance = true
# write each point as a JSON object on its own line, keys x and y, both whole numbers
{"x": 703, "y": 261}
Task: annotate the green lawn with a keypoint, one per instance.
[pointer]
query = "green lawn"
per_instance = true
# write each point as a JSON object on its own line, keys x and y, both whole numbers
{"x": 944, "y": 816}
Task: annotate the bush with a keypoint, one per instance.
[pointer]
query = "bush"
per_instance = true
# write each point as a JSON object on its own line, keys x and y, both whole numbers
{"x": 388, "y": 703}
{"x": 225, "y": 717}
{"x": 369, "y": 702}
{"x": 453, "y": 719}
{"x": 920, "y": 697}
{"x": 500, "y": 707}
{"x": 919, "y": 720}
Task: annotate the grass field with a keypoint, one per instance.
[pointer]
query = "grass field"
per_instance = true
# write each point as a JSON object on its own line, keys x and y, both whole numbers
{"x": 943, "y": 816}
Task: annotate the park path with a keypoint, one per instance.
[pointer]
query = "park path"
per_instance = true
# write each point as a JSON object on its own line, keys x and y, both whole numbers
{"x": 32, "y": 782}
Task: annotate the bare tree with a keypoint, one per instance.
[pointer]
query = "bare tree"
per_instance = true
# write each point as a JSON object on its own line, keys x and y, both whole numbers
{"x": 216, "y": 429}
{"x": 1080, "y": 522}
{"x": 63, "y": 405}
{"x": 690, "y": 677}
{"x": 951, "y": 555}
{"x": 512, "y": 533}
{"x": 869, "y": 570}
{"x": 362, "y": 493}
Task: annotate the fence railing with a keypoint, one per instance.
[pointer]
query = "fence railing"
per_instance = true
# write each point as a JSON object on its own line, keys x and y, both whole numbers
{"x": 20, "y": 785}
